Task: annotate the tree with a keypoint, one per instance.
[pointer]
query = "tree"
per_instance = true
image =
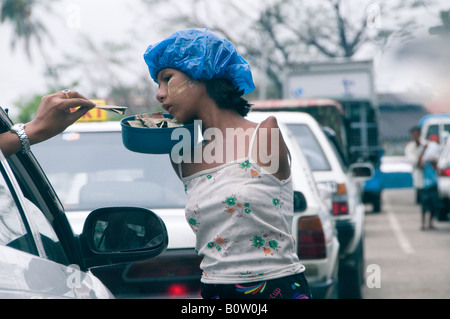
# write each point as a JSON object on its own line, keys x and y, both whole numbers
{"x": 277, "y": 34}
{"x": 444, "y": 29}
{"x": 105, "y": 71}
{"x": 26, "y": 27}
{"x": 28, "y": 107}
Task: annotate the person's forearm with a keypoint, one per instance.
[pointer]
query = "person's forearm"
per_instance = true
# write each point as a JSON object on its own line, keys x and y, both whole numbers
{"x": 9, "y": 143}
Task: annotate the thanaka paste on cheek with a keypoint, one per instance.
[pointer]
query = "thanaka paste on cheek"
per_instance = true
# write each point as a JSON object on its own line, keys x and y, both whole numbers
{"x": 176, "y": 92}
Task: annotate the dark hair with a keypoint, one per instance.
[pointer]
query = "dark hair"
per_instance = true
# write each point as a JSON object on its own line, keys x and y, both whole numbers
{"x": 226, "y": 96}
{"x": 414, "y": 129}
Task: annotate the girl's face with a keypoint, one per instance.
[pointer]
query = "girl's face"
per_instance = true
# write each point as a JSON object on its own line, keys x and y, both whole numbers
{"x": 179, "y": 94}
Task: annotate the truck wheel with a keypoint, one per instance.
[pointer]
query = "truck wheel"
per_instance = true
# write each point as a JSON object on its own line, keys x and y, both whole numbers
{"x": 376, "y": 203}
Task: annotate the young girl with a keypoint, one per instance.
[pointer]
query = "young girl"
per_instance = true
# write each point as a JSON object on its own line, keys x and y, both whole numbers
{"x": 239, "y": 203}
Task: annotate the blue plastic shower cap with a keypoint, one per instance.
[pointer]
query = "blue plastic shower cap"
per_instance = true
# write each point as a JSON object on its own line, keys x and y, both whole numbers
{"x": 201, "y": 54}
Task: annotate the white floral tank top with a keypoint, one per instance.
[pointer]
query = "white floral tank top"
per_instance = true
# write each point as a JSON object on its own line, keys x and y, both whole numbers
{"x": 242, "y": 220}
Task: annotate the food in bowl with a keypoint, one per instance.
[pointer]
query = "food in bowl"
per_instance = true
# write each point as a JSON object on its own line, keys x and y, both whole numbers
{"x": 155, "y": 133}
{"x": 155, "y": 120}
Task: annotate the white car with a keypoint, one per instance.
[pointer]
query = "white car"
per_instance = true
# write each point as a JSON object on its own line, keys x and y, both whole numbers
{"x": 438, "y": 124}
{"x": 443, "y": 170}
{"x": 40, "y": 257}
{"x": 330, "y": 171}
{"x": 317, "y": 247}
{"x": 92, "y": 168}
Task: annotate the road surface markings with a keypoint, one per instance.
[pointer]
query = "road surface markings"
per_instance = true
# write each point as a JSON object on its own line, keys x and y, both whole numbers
{"x": 403, "y": 241}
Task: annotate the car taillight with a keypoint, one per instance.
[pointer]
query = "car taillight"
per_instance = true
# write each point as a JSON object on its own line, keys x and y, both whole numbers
{"x": 174, "y": 274}
{"x": 444, "y": 172}
{"x": 177, "y": 290}
{"x": 340, "y": 201}
{"x": 310, "y": 238}
{"x": 340, "y": 208}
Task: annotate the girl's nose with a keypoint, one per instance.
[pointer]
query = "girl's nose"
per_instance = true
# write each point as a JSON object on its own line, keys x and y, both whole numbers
{"x": 160, "y": 95}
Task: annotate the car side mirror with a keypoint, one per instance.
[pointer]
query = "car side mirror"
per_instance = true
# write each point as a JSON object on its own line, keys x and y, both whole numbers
{"x": 122, "y": 234}
{"x": 299, "y": 202}
{"x": 361, "y": 171}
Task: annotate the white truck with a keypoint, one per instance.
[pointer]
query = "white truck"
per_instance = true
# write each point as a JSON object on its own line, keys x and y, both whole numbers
{"x": 351, "y": 83}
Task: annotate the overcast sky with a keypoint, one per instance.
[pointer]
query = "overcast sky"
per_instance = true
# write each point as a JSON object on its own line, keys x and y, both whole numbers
{"x": 100, "y": 19}
{"x": 110, "y": 20}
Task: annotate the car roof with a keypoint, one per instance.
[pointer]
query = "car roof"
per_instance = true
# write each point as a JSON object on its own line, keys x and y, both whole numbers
{"x": 435, "y": 118}
{"x": 113, "y": 126}
{"x": 294, "y": 104}
{"x": 108, "y": 126}
{"x": 285, "y": 117}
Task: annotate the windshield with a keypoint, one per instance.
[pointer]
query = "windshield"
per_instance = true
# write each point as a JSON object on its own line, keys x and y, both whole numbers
{"x": 310, "y": 146}
{"x": 93, "y": 169}
{"x": 434, "y": 129}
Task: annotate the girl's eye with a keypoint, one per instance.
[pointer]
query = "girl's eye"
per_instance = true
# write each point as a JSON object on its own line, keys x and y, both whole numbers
{"x": 164, "y": 80}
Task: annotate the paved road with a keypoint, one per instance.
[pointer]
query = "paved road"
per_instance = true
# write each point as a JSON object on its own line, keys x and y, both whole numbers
{"x": 403, "y": 261}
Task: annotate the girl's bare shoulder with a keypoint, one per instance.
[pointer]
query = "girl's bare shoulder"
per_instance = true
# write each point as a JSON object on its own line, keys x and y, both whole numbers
{"x": 270, "y": 122}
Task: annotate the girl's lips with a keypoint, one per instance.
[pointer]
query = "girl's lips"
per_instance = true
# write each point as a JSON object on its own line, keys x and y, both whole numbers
{"x": 168, "y": 108}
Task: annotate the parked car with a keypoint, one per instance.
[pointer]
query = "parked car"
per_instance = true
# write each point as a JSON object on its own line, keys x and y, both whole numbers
{"x": 443, "y": 170}
{"x": 331, "y": 171}
{"x": 91, "y": 169}
{"x": 40, "y": 257}
{"x": 438, "y": 124}
{"x": 92, "y": 157}
{"x": 355, "y": 128}
{"x": 315, "y": 230}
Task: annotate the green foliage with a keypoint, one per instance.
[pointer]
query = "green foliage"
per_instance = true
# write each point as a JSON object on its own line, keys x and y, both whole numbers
{"x": 445, "y": 17}
{"x": 28, "y": 107}
{"x": 26, "y": 27}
